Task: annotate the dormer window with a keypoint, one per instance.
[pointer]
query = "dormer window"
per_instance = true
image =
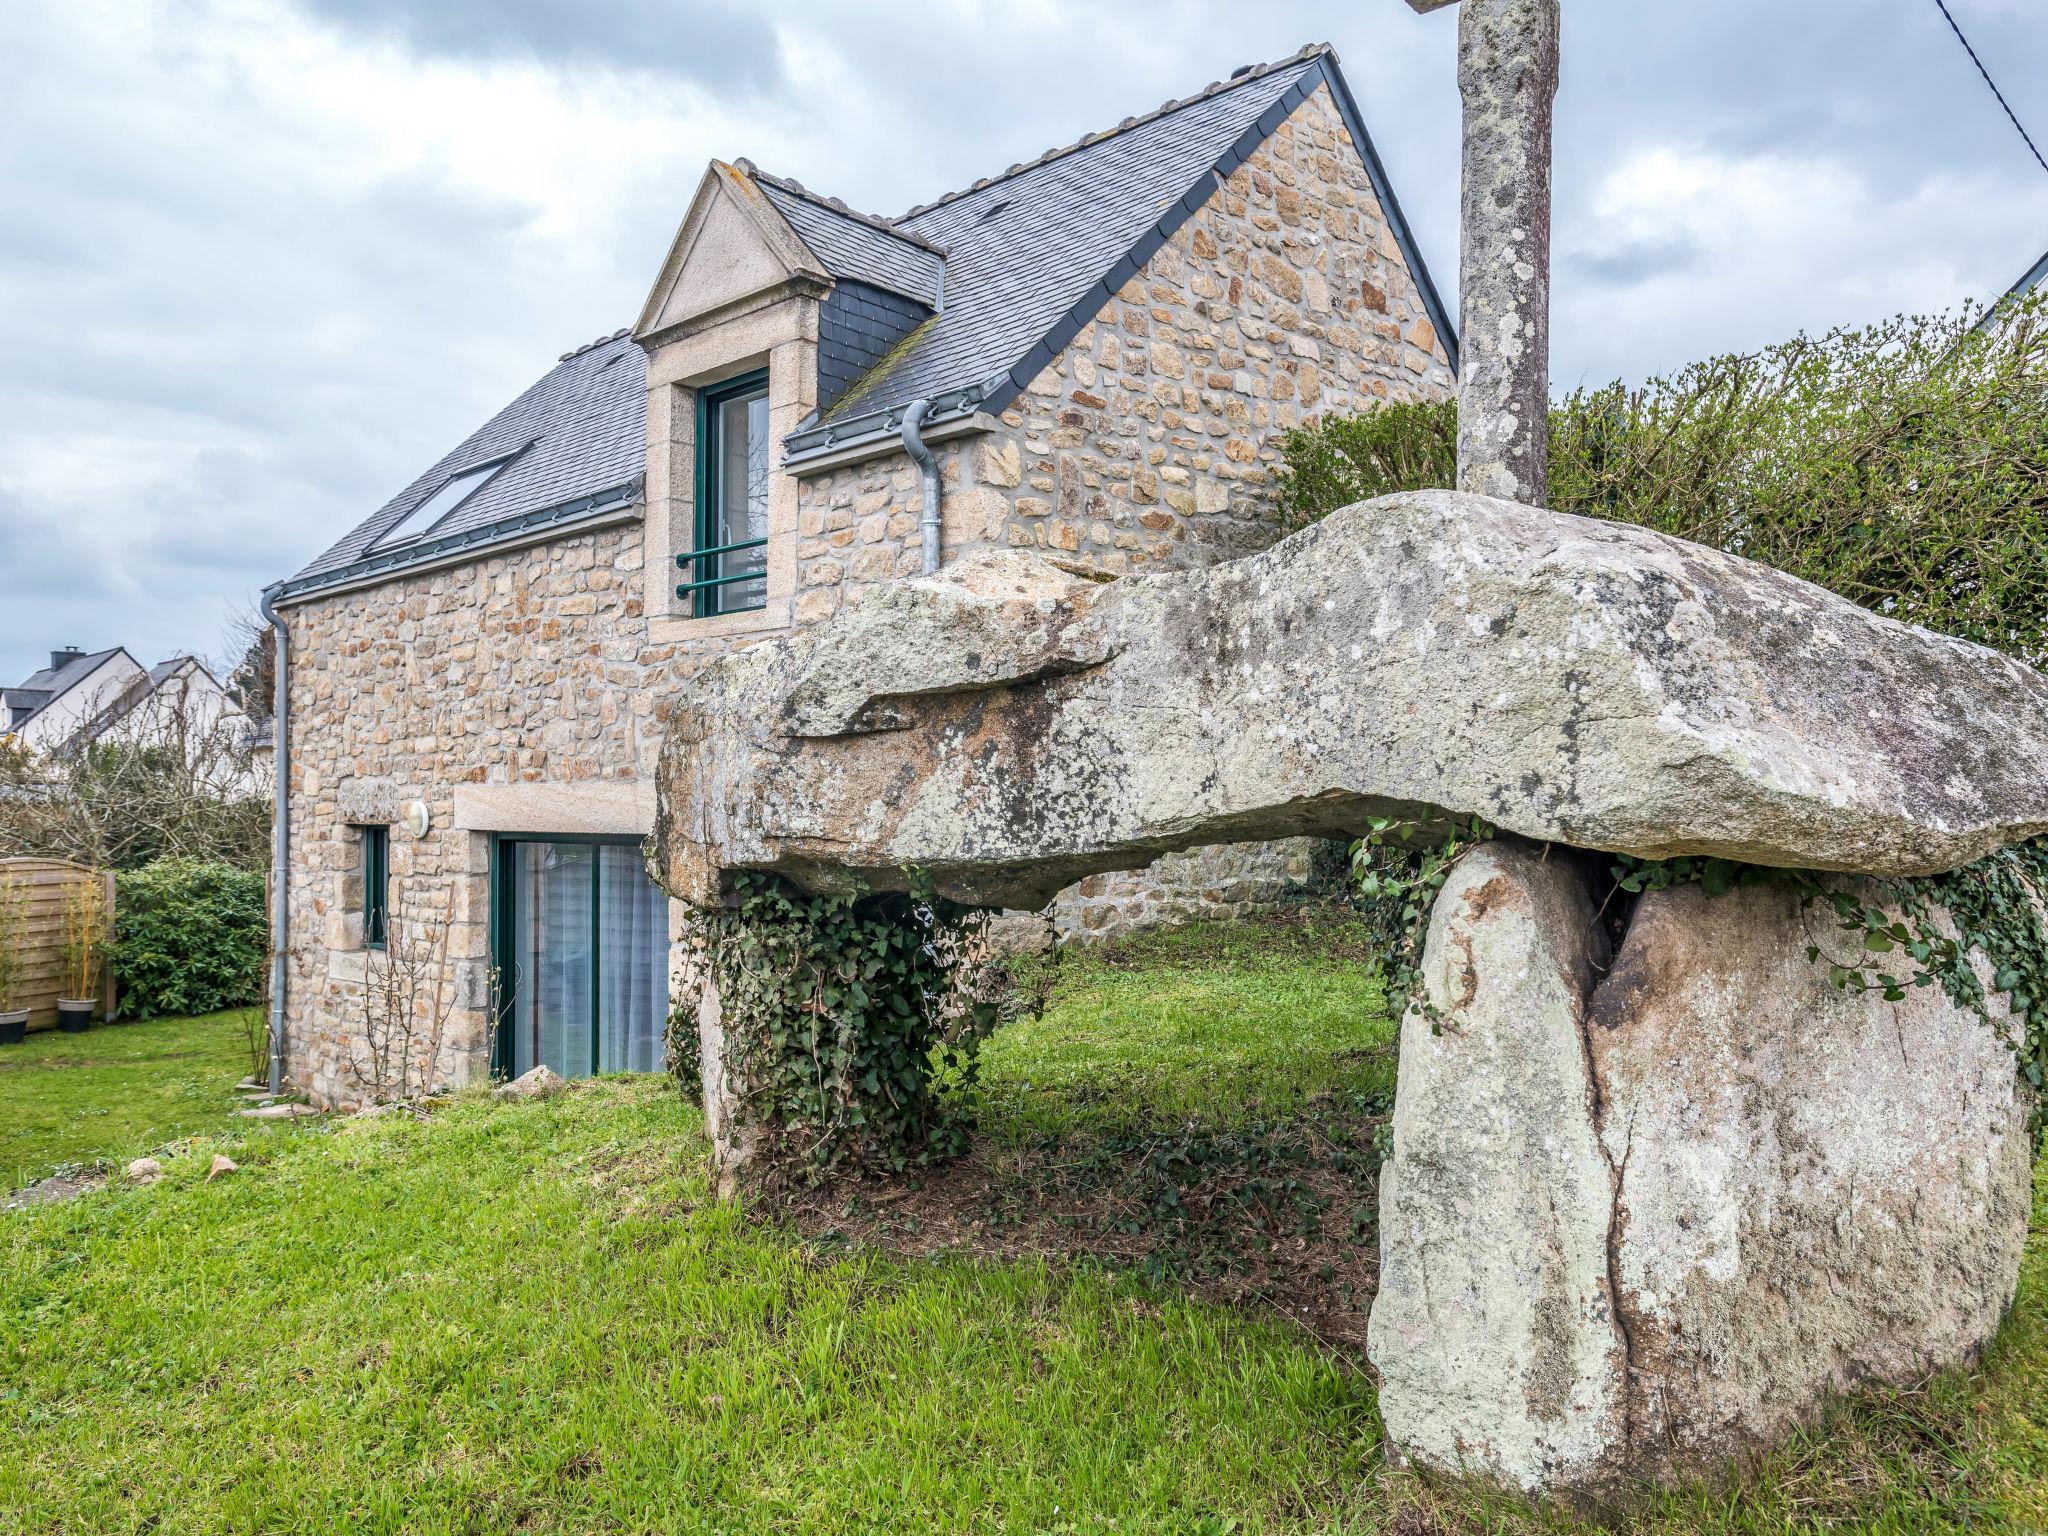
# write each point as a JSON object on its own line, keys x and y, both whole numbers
{"x": 454, "y": 491}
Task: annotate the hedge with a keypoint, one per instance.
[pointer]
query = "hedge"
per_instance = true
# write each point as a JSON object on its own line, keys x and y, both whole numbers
{"x": 189, "y": 937}
{"x": 1903, "y": 465}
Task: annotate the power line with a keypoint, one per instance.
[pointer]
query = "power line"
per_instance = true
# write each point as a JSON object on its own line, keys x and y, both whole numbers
{"x": 1991, "y": 82}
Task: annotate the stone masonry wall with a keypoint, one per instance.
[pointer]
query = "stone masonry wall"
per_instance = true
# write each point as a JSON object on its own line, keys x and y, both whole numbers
{"x": 1228, "y": 880}
{"x": 531, "y": 667}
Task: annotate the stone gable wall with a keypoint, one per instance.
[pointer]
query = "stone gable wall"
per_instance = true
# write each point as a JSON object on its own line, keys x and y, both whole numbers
{"x": 1151, "y": 441}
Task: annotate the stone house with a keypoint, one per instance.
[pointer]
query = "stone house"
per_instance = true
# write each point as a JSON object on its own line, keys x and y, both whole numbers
{"x": 1092, "y": 354}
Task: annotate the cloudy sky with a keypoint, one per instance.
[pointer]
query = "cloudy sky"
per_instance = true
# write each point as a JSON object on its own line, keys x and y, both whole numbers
{"x": 261, "y": 261}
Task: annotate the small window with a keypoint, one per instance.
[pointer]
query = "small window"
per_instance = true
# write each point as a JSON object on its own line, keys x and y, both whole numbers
{"x": 420, "y": 521}
{"x": 376, "y": 885}
{"x": 728, "y": 571}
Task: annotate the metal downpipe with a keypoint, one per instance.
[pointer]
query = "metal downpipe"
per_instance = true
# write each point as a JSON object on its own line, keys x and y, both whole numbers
{"x": 914, "y": 445}
{"x": 280, "y": 836}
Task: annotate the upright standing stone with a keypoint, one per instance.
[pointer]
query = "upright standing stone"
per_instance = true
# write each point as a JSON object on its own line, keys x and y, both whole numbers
{"x": 1816, "y": 1189}
{"x": 1645, "y": 1216}
{"x": 1507, "y": 76}
{"x": 1497, "y": 1346}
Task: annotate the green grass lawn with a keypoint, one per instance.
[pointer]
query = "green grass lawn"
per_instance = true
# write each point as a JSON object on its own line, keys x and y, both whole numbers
{"x": 115, "y": 1092}
{"x": 1216, "y": 1023}
{"x": 534, "y": 1316}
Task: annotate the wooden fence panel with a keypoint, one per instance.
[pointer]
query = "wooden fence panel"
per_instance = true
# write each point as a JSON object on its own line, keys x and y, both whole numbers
{"x": 44, "y": 883}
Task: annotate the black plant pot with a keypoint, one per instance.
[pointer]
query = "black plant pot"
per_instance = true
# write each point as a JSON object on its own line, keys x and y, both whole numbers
{"x": 13, "y": 1026}
{"x": 74, "y": 1014}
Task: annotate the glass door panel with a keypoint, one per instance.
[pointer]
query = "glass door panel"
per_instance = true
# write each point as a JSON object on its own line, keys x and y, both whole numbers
{"x": 583, "y": 949}
{"x": 550, "y": 972}
{"x": 632, "y": 946}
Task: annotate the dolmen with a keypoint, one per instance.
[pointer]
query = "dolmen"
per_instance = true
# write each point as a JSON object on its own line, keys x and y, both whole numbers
{"x": 1658, "y": 1188}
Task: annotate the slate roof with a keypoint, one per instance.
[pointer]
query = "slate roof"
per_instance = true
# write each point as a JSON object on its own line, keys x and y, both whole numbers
{"x": 1033, "y": 254}
{"x": 1010, "y": 269}
{"x": 52, "y": 681}
{"x": 856, "y": 245}
{"x": 46, "y": 684}
{"x": 55, "y": 680}
{"x": 1024, "y": 248}
{"x": 579, "y": 440}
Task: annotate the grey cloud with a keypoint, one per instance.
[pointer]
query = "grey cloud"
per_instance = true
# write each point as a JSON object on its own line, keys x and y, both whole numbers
{"x": 1633, "y": 262}
{"x": 729, "y": 49}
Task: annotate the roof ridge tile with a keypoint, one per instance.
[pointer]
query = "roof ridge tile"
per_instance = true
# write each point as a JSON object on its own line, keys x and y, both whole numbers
{"x": 839, "y": 206}
{"x": 591, "y": 346}
{"x": 1214, "y": 88}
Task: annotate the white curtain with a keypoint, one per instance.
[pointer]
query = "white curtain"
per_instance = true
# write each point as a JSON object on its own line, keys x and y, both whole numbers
{"x": 632, "y": 949}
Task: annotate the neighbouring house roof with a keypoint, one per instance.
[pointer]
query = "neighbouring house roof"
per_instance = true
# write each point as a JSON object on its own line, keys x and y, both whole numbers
{"x": 573, "y": 447}
{"x": 961, "y": 302}
{"x": 2034, "y": 277}
{"x": 46, "y": 685}
{"x": 138, "y": 691}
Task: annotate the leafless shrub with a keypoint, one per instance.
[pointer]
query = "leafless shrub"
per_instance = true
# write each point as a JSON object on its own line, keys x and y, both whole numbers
{"x": 170, "y": 775}
{"x": 410, "y": 996}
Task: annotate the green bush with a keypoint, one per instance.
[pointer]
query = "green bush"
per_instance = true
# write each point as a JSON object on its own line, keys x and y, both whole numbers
{"x": 189, "y": 937}
{"x": 1903, "y": 465}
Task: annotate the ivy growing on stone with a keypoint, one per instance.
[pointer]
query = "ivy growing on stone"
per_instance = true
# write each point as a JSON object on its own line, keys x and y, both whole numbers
{"x": 1399, "y": 868}
{"x": 842, "y": 1014}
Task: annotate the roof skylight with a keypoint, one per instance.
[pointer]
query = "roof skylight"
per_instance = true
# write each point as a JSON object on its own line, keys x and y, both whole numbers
{"x": 453, "y": 493}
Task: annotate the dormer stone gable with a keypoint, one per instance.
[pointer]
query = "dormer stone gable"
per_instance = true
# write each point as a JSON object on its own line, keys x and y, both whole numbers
{"x": 733, "y": 252}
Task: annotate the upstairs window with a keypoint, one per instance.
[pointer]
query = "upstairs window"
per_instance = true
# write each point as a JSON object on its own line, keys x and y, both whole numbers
{"x": 727, "y": 573}
{"x": 376, "y": 885}
{"x": 454, "y": 491}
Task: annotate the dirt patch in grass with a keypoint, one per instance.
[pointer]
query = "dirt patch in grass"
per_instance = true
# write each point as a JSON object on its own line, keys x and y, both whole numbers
{"x": 66, "y": 1185}
{"x": 1282, "y": 1215}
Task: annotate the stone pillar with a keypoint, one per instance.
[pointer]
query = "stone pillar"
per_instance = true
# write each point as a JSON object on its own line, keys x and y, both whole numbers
{"x": 1642, "y": 1223}
{"x": 1497, "y": 1349}
{"x": 732, "y": 1138}
{"x": 1507, "y": 77}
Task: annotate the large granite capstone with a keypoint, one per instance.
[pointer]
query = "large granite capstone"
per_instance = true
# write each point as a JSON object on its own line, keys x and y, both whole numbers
{"x": 1011, "y": 726}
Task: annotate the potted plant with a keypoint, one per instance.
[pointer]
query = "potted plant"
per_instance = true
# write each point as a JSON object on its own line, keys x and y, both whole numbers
{"x": 13, "y": 912}
{"x": 85, "y": 943}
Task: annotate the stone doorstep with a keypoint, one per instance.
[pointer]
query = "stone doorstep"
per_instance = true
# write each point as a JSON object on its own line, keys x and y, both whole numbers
{"x": 278, "y": 1112}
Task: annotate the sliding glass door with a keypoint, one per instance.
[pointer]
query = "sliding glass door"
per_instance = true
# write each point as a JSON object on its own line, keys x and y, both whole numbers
{"x": 581, "y": 945}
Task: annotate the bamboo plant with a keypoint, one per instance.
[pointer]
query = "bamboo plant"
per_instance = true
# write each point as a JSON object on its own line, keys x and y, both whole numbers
{"x": 85, "y": 935}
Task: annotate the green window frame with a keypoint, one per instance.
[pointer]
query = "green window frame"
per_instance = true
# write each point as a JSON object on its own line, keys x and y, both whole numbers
{"x": 376, "y": 885}
{"x": 729, "y": 576}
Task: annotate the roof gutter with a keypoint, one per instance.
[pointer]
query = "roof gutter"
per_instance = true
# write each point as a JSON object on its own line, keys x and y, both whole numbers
{"x": 859, "y": 436}
{"x": 280, "y": 831}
